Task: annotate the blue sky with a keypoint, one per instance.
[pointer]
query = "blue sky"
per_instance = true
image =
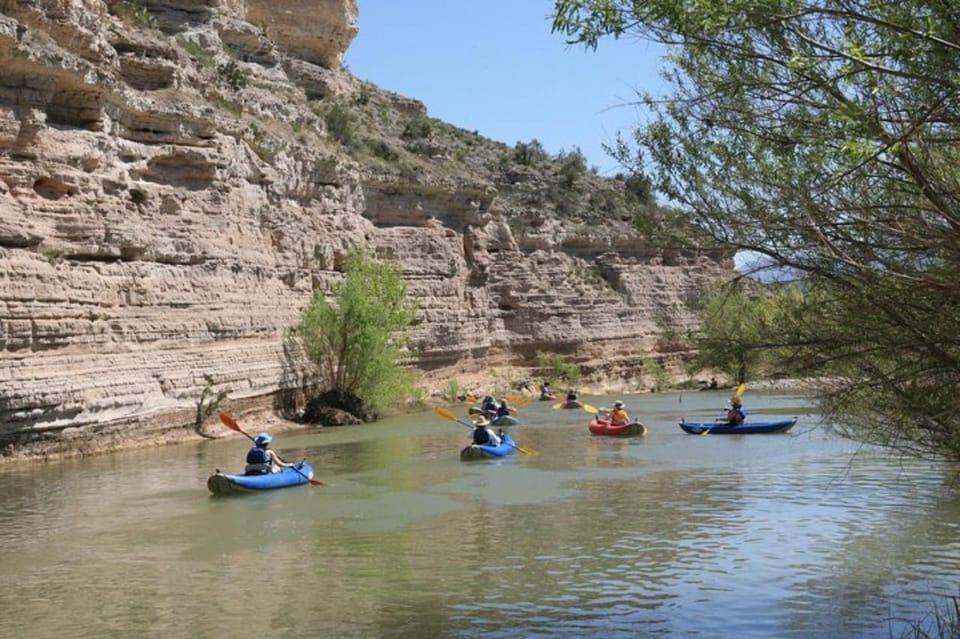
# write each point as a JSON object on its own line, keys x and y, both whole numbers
{"x": 494, "y": 67}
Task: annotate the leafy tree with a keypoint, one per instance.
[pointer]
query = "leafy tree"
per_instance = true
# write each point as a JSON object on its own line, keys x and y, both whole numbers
{"x": 823, "y": 135}
{"x": 742, "y": 333}
{"x": 358, "y": 343}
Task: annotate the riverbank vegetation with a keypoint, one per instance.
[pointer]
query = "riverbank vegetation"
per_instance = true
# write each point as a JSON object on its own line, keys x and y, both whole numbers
{"x": 821, "y": 138}
{"x": 359, "y": 342}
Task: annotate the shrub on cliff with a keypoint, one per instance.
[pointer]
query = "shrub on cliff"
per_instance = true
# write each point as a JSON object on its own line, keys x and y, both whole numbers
{"x": 359, "y": 340}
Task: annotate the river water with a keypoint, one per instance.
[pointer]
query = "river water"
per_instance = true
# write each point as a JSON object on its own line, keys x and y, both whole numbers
{"x": 670, "y": 535}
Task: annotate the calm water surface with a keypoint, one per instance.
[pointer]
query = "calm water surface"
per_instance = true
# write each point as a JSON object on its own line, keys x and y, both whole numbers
{"x": 671, "y": 535}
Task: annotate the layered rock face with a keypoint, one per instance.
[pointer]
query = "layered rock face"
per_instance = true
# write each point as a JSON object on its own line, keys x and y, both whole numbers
{"x": 169, "y": 198}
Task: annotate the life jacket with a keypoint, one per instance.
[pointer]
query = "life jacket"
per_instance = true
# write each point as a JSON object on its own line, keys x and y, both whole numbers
{"x": 258, "y": 462}
{"x": 737, "y": 415}
{"x": 502, "y": 411}
{"x": 619, "y": 417}
{"x": 481, "y": 436}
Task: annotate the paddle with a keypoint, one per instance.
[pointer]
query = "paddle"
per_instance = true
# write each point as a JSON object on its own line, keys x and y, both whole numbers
{"x": 740, "y": 391}
{"x": 443, "y": 412}
{"x": 232, "y": 424}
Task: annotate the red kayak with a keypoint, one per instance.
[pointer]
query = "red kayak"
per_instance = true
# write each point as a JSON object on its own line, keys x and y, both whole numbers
{"x": 602, "y": 427}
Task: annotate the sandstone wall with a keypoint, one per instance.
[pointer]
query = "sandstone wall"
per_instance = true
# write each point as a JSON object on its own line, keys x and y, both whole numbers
{"x": 158, "y": 233}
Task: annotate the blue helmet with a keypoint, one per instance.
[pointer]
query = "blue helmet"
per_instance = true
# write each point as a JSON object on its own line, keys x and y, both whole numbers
{"x": 263, "y": 439}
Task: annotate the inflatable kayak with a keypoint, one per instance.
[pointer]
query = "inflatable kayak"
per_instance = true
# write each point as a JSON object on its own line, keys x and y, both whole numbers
{"x": 602, "y": 427}
{"x": 489, "y": 414}
{"x": 481, "y": 451}
{"x": 224, "y": 484}
{"x": 746, "y": 428}
{"x": 571, "y": 403}
{"x": 505, "y": 420}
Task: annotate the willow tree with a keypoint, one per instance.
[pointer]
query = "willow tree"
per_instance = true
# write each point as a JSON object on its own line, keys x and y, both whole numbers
{"x": 358, "y": 340}
{"x": 824, "y": 135}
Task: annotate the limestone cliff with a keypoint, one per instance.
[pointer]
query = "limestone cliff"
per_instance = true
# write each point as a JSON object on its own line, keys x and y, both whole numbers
{"x": 176, "y": 176}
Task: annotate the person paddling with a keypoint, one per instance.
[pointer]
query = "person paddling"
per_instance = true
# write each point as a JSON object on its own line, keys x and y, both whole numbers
{"x": 483, "y": 434}
{"x": 618, "y": 416}
{"x": 737, "y": 412}
{"x": 261, "y": 460}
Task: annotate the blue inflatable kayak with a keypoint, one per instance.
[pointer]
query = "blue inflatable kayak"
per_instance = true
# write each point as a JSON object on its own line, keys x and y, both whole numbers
{"x": 481, "y": 451}
{"x": 505, "y": 420}
{"x": 746, "y": 428}
{"x": 224, "y": 484}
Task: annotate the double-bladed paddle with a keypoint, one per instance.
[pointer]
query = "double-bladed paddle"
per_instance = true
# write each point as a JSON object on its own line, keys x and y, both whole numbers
{"x": 232, "y": 424}
{"x": 446, "y": 414}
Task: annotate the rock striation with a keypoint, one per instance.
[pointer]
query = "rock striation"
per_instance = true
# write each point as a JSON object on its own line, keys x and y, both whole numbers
{"x": 173, "y": 187}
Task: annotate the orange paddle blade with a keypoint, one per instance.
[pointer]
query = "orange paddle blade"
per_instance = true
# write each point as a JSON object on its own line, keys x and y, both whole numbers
{"x": 231, "y": 423}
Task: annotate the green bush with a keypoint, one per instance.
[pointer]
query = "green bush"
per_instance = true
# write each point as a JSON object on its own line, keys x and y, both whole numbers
{"x": 340, "y": 125}
{"x": 134, "y": 14}
{"x": 231, "y": 73}
{"x": 529, "y": 153}
{"x": 359, "y": 342}
{"x": 417, "y": 129}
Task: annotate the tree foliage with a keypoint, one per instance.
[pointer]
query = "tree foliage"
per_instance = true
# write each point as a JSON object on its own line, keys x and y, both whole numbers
{"x": 741, "y": 332}
{"x": 824, "y": 135}
{"x": 359, "y": 341}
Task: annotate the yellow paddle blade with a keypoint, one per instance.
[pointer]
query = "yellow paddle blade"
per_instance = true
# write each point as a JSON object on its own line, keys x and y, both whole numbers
{"x": 446, "y": 414}
{"x": 586, "y": 390}
{"x": 558, "y": 405}
{"x": 590, "y": 409}
{"x": 740, "y": 390}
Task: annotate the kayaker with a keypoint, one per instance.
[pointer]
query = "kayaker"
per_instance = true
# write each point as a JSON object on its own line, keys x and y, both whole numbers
{"x": 483, "y": 434}
{"x": 261, "y": 460}
{"x": 737, "y": 412}
{"x": 546, "y": 391}
{"x": 618, "y": 416}
{"x": 489, "y": 404}
{"x": 503, "y": 410}
{"x": 571, "y": 395}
